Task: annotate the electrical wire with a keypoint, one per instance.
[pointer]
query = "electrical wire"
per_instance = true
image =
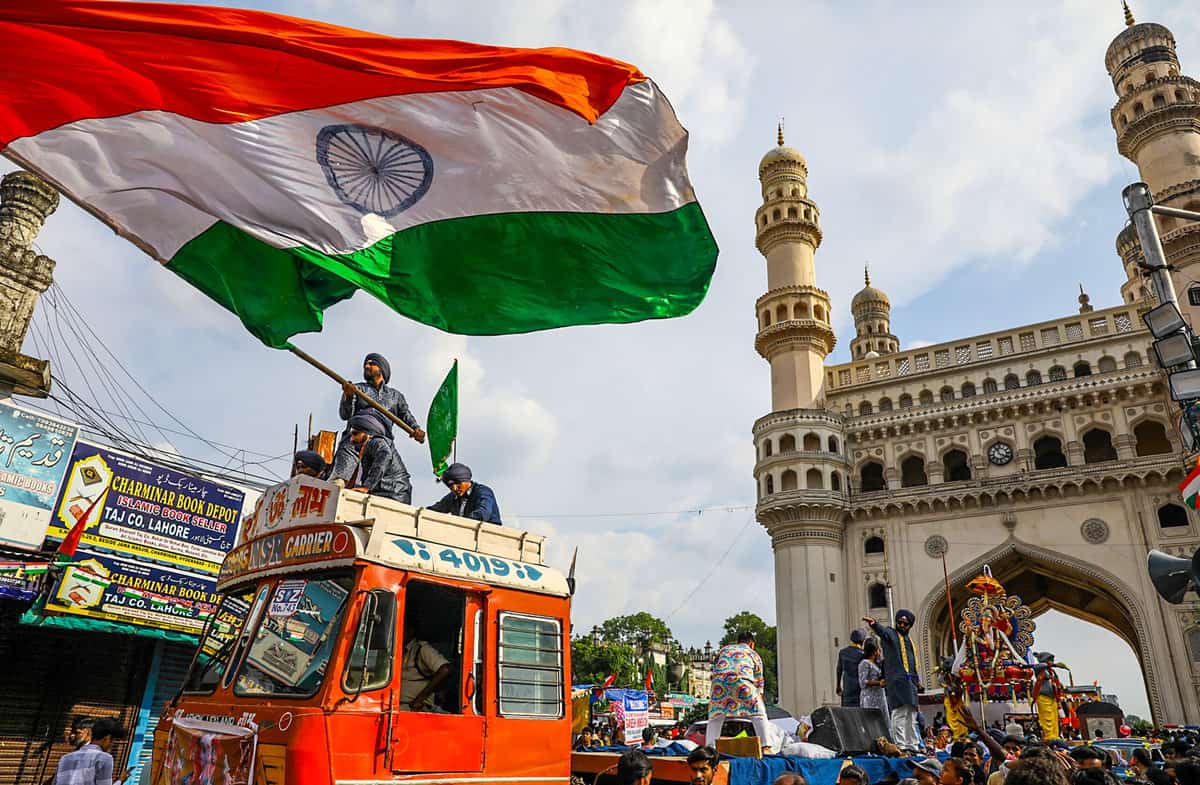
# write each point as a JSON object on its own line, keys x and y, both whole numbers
{"x": 712, "y": 570}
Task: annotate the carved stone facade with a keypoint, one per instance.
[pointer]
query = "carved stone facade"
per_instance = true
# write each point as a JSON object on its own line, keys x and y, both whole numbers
{"x": 25, "y": 203}
{"x": 1048, "y": 451}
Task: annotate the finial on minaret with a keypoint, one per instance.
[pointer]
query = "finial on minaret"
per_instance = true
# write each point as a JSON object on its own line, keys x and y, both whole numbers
{"x": 780, "y": 137}
{"x": 867, "y": 273}
{"x": 1085, "y": 302}
{"x": 1129, "y": 21}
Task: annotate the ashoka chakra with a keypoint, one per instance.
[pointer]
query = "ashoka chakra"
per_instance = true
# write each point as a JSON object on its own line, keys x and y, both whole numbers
{"x": 374, "y": 170}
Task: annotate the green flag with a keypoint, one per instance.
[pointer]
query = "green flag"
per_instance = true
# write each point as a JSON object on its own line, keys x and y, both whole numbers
{"x": 443, "y": 421}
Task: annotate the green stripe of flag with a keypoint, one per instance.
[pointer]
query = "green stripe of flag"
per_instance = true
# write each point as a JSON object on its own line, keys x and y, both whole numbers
{"x": 442, "y": 423}
{"x": 478, "y": 275}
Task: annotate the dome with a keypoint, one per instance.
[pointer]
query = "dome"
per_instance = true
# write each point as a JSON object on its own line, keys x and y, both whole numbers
{"x": 871, "y": 355}
{"x": 869, "y": 294}
{"x": 1144, "y": 31}
{"x": 781, "y": 154}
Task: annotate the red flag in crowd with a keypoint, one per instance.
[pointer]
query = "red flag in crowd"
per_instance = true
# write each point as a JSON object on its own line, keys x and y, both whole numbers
{"x": 649, "y": 680}
{"x": 71, "y": 542}
{"x": 609, "y": 681}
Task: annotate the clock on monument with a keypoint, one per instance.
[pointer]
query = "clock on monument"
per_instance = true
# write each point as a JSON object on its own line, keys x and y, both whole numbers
{"x": 1000, "y": 453}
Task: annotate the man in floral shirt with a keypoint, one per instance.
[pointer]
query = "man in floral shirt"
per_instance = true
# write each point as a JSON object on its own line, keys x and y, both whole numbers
{"x": 737, "y": 685}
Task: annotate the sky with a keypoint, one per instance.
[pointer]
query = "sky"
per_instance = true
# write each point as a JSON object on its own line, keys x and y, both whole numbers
{"x": 963, "y": 150}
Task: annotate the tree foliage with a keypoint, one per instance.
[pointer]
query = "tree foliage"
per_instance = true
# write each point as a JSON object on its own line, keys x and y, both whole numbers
{"x": 765, "y": 644}
{"x": 593, "y": 661}
{"x": 635, "y": 628}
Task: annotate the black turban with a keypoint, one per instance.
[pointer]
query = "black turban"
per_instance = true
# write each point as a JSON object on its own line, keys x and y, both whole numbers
{"x": 367, "y": 423}
{"x": 906, "y": 614}
{"x": 382, "y": 362}
{"x": 312, "y": 460}
{"x": 456, "y": 472}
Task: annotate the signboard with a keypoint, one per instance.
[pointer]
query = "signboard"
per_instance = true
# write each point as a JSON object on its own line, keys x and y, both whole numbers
{"x": 146, "y": 512}
{"x": 201, "y": 752}
{"x": 21, "y": 580}
{"x": 631, "y": 710}
{"x": 122, "y": 590}
{"x": 301, "y": 501}
{"x": 34, "y": 452}
{"x": 334, "y": 544}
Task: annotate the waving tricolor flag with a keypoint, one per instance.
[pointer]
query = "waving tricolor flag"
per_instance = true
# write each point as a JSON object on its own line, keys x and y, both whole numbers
{"x": 1190, "y": 487}
{"x": 279, "y": 165}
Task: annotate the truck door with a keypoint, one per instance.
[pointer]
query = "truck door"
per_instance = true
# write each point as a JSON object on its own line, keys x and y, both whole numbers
{"x": 437, "y": 721}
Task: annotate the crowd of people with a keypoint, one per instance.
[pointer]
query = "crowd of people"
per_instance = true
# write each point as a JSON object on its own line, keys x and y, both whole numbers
{"x": 366, "y": 458}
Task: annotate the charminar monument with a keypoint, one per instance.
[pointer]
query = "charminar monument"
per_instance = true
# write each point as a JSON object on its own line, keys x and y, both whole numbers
{"x": 1049, "y": 451}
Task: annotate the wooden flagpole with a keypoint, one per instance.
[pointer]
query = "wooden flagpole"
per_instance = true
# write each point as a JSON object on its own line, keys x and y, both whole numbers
{"x": 332, "y": 374}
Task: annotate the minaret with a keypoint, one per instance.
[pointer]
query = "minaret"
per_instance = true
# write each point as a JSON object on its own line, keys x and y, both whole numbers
{"x": 872, "y": 312}
{"x": 1157, "y": 122}
{"x": 25, "y": 202}
{"x": 800, "y": 472}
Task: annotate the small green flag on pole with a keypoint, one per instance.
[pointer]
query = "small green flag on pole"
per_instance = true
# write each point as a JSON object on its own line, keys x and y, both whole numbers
{"x": 443, "y": 421}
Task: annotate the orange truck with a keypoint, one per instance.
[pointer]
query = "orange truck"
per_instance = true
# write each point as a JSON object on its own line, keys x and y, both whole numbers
{"x": 360, "y": 641}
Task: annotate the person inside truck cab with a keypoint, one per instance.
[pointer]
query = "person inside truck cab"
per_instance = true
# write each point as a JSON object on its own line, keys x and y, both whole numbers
{"x": 467, "y": 499}
{"x": 423, "y": 669}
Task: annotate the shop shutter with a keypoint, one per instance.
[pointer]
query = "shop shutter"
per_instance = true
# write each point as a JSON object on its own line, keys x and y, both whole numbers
{"x": 51, "y": 675}
{"x": 172, "y": 670}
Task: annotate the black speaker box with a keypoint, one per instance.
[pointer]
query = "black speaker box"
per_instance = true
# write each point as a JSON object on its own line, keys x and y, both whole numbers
{"x": 848, "y": 731}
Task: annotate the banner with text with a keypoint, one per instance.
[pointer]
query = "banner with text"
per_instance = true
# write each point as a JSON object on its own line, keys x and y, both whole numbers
{"x": 34, "y": 452}
{"x": 145, "y": 512}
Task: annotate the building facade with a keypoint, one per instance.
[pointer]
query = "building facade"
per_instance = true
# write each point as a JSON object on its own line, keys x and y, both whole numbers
{"x": 1048, "y": 451}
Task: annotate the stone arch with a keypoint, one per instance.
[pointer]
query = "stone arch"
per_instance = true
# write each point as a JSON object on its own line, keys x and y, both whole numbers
{"x": 767, "y": 448}
{"x": 791, "y": 213}
{"x": 873, "y": 545}
{"x": 814, "y": 480}
{"x": 946, "y": 394}
{"x": 787, "y": 443}
{"x": 766, "y": 318}
{"x": 864, "y": 408}
{"x": 956, "y": 465}
{"x": 871, "y": 477}
{"x": 885, "y": 404}
{"x": 1150, "y": 438}
{"x": 990, "y": 386}
{"x": 1098, "y": 446}
{"x": 912, "y": 471}
{"x": 1018, "y": 558}
{"x": 968, "y": 390}
{"x": 876, "y": 596}
{"x": 800, "y": 310}
{"x": 926, "y": 397}
{"x": 1133, "y": 360}
{"x": 835, "y": 482}
{"x": 812, "y": 442}
{"x": 1012, "y": 382}
{"x": 833, "y": 444}
{"x": 1107, "y": 364}
{"x": 781, "y": 313}
{"x": 1048, "y": 452}
{"x": 906, "y": 401}
{"x": 1082, "y": 368}
{"x": 788, "y": 481}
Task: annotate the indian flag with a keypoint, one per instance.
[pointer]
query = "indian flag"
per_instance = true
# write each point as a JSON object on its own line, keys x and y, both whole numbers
{"x": 279, "y": 165}
{"x": 1190, "y": 487}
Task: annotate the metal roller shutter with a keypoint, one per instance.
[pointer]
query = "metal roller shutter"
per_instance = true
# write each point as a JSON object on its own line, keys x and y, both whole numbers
{"x": 172, "y": 669}
{"x": 48, "y": 677}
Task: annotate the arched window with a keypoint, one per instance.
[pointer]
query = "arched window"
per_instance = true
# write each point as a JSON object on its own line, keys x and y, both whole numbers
{"x": 912, "y": 472}
{"x": 871, "y": 477}
{"x": 764, "y": 219}
{"x": 800, "y": 311}
{"x": 1151, "y": 438}
{"x": 1172, "y": 516}
{"x": 833, "y": 444}
{"x": 968, "y": 390}
{"x": 1012, "y": 382}
{"x": 795, "y": 193}
{"x": 766, "y": 448}
{"x": 812, "y": 442}
{"x": 885, "y": 404}
{"x": 775, "y": 214}
{"x": 1033, "y": 378}
{"x": 864, "y": 408}
{"x": 1082, "y": 368}
{"x": 781, "y": 313}
{"x": 849, "y": 410}
{"x": 835, "y": 481}
{"x": 905, "y": 401}
{"x": 813, "y": 479}
{"x": 955, "y": 466}
{"x": 1098, "y": 446}
{"x": 766, "y": 318}
{"x": 1193, "y": 640}
{"x": 869, "y": 330}
{"x": 990, "y": 386}
{"x": 926, "y": 397}
{"x": 1107, "y": 364}
{"x": 873, "y": 546}
{"x": 1048, "y": 453}
{"x": 946, "y": 394}
{"x": 1180, "y": 96}
{"x": 787, "y": 443}
{"x": 770, "y": 484}
{"x": 789, "y": 481}
{"x": 1133, "y": 360}
{"x": 877, "y": 596}
{"x": 819, "y": 313}
{"x": 1058, "y": 373}
{"x": 1159, "y": 100}
{"x": 791, "y": 213}
{"x": 1138, "y": 109}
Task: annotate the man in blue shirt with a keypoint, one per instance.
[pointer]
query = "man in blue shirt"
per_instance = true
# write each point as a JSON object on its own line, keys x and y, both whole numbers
{"x": 91, "y": 764}
{"x": 467, "y": 499}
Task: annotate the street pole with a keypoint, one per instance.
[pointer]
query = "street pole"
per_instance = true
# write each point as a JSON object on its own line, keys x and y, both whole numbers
{"x": 1139, "y": 203}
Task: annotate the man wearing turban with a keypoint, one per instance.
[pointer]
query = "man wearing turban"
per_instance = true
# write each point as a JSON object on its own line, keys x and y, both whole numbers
{"x": 379, "y": 470}
{"x": 467, "y": 498}
{"x": 377, "y": 372}
{"x": 903, "y": 678}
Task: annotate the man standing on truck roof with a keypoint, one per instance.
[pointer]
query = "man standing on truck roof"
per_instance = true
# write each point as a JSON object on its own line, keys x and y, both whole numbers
{"x": 467, "y": 499}
{"x": 379, "y": 470}
{"x": 377, "y": 372}
{"x": 737, "y": 685}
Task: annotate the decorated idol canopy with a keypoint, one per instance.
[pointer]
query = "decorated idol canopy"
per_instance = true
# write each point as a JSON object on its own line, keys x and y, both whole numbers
{"x": 994, "y": 657}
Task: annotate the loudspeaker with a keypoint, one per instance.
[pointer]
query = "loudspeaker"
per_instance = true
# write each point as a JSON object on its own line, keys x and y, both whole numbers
{"x": 848, "y": 731}
{"x": 1173, "y": 576}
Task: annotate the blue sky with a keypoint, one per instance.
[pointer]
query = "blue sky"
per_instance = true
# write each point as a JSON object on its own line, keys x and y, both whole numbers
{"x": 965, "y": 151}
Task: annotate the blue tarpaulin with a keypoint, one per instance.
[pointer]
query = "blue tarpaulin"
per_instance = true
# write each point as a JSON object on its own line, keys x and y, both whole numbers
{"x": 751, "y": 771}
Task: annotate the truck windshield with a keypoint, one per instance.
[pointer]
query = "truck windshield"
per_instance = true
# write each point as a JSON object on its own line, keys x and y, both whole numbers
{"x": 289, "y": 652}
{"x": 217, "y": 644}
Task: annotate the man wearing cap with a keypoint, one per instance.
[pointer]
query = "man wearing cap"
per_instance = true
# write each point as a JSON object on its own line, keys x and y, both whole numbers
{"x": 1048, "y": 690}
{"x": 309, "y": 463}
{"x": 467, "y": 499}
{"x": 379, "y": 470}
{"x": 847, "y": 669}
{"x": 903, "y": 678}
{"x": 376, "y": 375}
{"x": 927, "y": 771}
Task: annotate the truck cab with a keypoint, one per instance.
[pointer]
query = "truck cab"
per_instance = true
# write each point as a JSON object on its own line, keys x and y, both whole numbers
{"x": 360, "y": 640}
